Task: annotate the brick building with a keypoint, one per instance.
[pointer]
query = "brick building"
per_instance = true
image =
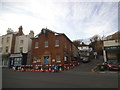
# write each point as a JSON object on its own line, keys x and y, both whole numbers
{"x": 49, "y": 47}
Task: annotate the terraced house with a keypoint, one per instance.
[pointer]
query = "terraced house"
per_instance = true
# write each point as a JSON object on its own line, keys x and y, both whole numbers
{"x": 49, "y": 47}
{"x": 7, "y": 45}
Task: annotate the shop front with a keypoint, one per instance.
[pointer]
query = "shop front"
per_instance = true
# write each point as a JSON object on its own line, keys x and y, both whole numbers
{"x": 112, "y": 52}
{"x": 17, "y": 59}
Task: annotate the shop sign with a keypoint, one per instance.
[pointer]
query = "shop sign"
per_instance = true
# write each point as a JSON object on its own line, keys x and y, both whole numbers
{"x": 112, "y": 48}
{"x": 16, "y": 55}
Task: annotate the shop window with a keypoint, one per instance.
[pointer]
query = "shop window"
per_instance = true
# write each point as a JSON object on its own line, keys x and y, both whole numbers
{"x": 17, "y": 61}
{"x": 46, "y": 43}
{"x": 57, "y": 43}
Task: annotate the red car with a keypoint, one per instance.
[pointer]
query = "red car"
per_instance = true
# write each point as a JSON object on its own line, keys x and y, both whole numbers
{"x": 112, "y": 65}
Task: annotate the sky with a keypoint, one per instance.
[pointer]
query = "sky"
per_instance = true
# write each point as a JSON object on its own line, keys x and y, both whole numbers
{"x": 78, "y": 19}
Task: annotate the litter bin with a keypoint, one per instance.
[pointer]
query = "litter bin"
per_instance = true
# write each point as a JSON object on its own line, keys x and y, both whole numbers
{"x": 102, "y": 67}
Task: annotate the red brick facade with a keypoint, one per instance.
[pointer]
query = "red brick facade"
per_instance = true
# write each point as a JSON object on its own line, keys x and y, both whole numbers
{"x": 54, "y": 53}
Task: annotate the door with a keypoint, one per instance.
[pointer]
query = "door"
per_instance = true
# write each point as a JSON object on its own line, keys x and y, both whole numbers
{"x": 46, "y": 60}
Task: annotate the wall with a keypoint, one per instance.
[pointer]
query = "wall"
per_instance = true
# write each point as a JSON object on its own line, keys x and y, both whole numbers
{"x": 111, "y": 43}
{"x": 51, "y": 50}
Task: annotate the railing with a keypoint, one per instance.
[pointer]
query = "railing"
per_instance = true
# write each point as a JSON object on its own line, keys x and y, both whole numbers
{"x": 46, "y": 68}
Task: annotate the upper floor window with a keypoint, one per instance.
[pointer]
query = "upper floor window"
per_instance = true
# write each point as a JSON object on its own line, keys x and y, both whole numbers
{"x": 8, "y": 38}
{"x": 2, "y": 40}
{"x": 70, "y": 48}
{"x": 0, "y": 49}
{"x": 57, "y": 42}
{"x": 6, "y": 49}
{"x": 65, "y": 45}
{"x": 46, "y": 43}
{"x": 21, "y": 49}
{"x": 21, "y": 41}
{"x": 36, "y": 44}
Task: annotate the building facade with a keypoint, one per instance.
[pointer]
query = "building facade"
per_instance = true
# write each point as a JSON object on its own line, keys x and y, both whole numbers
{"x": 11, "y": 43}
{"x": 7, "y": 46}
{"x": 85, "y": 51}
{"x": 111, "y": 50}
{"x": 49, "y": 47}
{"x": 22, "y": 47}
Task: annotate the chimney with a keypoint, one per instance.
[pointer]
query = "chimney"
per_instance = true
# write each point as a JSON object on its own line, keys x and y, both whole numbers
{"x": 31, "y": 34}
{"x": 20, "y": 30}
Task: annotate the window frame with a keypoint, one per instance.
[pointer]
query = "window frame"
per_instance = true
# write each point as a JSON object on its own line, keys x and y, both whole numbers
{"x": 36, "y": 44}
{"x": 46, "y": 44}
{"x": 57, "y": 43}
{"x": 58, "y": 58}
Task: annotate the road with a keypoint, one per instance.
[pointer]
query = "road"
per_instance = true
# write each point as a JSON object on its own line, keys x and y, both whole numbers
{"x": 79, "y": 77}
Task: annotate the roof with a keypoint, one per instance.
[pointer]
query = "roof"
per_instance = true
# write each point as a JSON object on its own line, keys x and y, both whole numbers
{"x": 55, "y": 33}
{"x": 83, "y": 44}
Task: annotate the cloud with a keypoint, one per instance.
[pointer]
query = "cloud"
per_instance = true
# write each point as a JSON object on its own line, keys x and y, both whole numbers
{"x": 78, "y": 20}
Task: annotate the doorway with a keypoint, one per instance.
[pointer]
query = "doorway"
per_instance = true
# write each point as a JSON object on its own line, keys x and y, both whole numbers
{"x": 46, "y": 60}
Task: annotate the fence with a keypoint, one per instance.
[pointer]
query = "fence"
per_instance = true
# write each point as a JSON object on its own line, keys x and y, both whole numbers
{"x": 46, "y": 68}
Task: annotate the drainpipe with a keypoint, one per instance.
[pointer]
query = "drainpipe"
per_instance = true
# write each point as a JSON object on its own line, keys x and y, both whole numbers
{"x": 104, "y": 56}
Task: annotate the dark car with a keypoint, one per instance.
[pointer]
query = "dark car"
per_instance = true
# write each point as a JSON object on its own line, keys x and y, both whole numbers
{"x": 112, "y": 65}
{"x": 85, "y": 59}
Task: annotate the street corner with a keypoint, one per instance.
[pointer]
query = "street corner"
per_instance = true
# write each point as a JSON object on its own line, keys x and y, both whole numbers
{"x": 95, "y": 68}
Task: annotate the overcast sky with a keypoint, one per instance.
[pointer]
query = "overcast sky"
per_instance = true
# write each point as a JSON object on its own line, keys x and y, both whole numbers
{"x": 77, "y": 19}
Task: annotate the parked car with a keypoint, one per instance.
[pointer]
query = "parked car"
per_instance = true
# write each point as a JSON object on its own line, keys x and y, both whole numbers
{"x": 85, "y": 59}
{"x": 112, "y": 65}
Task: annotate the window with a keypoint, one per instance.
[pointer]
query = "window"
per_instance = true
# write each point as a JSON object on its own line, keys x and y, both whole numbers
{"x": 57, "y": 43}
{"x": 65, "y": 45}
{"x": 34, "y": 59}
{"x": 17, "y": 61}
{"x": 21, "y": 49}
{"x": 36, "y": 44}
{"x": 7, "y": 49}
{"x": 46, "y": 43}
{"x": 70, "y": 48}
{"x": 8, "y": 38}
{"x": 117, "y": 41}
{"x": 0, "y": 49}
{"x": 21, "y": 41}
{"x": 58, "y": 58}
{"x": 2, "y": 40}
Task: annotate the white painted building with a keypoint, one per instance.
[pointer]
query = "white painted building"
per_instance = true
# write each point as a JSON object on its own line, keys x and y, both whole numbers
{"x": 6, "y": 46}
{"x": 23, "y": 43}
{"x": 84, "y": 47}
{"x": 14, "y": 42}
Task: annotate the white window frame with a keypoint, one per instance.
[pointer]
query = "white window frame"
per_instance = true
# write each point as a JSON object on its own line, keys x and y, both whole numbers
{"x": 57, "y": 43}
{"x": 36, "y": 44}
{"x": 58, "y": 58}
{"x": 46, "y": 44}
{"x": 34, "y": 59}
